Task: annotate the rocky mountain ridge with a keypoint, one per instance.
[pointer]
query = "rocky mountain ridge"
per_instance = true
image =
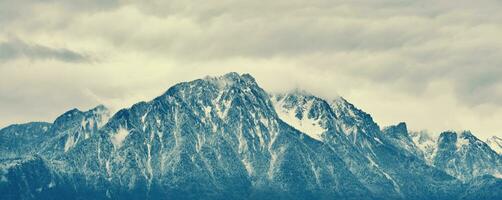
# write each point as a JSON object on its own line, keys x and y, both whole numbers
{"x": 226, "y": 138}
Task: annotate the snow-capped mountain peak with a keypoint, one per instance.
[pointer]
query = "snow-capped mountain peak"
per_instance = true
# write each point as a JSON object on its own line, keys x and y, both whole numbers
{"x": 299, "y": 111}
{"x": 465, "y": 156}
{"x": 353, "y": 120}
{"x": 226, "y": 138}
{"x": 399, "y": 137}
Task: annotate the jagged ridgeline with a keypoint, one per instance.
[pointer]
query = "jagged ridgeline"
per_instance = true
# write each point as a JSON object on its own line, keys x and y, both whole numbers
{"x": 226, "y": 138}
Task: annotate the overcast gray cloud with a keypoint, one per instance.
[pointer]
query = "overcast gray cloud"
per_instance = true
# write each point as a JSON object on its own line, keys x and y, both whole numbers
{"x": 13, "y": 49}
{"x": 435, "y": 64}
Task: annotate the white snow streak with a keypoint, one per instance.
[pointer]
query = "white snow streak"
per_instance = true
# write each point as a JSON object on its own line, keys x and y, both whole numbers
{"x": 143, "y": 118}
{"x": 70, "y": 142}
{"x": 394, "y": 183}
{"x": 378, "y": 140}
{"x": 248, "y": 166}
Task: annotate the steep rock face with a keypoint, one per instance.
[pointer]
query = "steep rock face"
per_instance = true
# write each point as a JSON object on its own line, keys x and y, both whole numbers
{"x": 72, "y": 128}
{"x": 461, "y": 155}
{"x": 355, "y": 123}
{"x": 51, "y": 140}
{"x": 399, "y": 137}
{"x": 397, "y": 165}
{"x": 371, "y": 156}
{"x": 22, "y": 139}
{"x": 495, "y": 143}
{"x": 315, "y": 117}
{"x": 465, "y": 156}
{"x": 214, "y": 137}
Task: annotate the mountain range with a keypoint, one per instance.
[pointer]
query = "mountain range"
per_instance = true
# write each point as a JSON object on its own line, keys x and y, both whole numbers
{"x": 227, "y": 138}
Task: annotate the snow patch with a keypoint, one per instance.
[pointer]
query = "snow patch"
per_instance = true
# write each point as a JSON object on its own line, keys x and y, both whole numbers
{"x": 118, "y": 138}
{"x": 143, "y": 118}
{"x": 91, "y": 123}
{"x": 199, "y": 143}
{"x": 248, "y": 166}
{"x": 495, "y": 144}
{"x": 51, "y": 184}
{"x": 149, "y": 158}
{"x": 70, "y": 142}
{"x": 306, "y": 125}
{"x": 83, "y": 123}
{"x": 378, "y": 140}
{"x": 108, "y": 169}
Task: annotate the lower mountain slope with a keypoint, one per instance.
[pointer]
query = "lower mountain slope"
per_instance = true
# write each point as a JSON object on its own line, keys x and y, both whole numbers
{"x": 23, "y": 139}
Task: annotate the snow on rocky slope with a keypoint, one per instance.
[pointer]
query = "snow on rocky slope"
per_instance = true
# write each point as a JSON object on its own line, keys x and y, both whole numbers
{"x": 226, "y": 138}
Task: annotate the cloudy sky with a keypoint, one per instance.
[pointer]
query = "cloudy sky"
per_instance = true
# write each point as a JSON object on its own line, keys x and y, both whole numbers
{"x": 434, "y": 64}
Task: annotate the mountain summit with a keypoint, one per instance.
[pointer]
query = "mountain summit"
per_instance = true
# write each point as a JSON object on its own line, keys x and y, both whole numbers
{"x": 226, "y": 138}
